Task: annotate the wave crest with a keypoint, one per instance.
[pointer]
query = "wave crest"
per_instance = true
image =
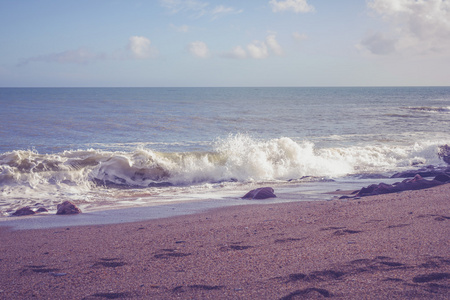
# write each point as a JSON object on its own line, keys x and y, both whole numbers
{"x": 236, "y": 158}
{"x": 431, "y": 109}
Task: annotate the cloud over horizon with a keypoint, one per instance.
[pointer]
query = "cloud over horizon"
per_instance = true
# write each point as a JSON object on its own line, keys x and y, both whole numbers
{"x": 297, "y": 6}
{"x": 199, "y": 49}
{"x": 269, "y": 42}
{"x": 140, "y": 47}
{"x": 415, "y": 27}
{"x": 257, "y": 49}
{"x": 198, "y": 9}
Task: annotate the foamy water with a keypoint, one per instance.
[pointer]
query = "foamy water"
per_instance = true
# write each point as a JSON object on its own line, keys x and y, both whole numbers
{"x": 106, "y": 148}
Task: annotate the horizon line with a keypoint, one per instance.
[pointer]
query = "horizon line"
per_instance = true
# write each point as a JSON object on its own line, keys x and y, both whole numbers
{"x": 305, "y": 86}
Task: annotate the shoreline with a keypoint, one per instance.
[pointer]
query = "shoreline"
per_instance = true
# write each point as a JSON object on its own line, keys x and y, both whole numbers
{"x": 196, "y": 203}
{"x": 122, "y": 215}
{"x": 377, "y": 247}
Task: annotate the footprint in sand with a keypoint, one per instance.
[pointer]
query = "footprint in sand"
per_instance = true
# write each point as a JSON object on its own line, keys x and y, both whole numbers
{"x": 109, "y": 263}
{"x": 39, "y": 269}
{"x": 431, "y": 277}
{"x": 307, "y": 293}
{"x": 169, "y": 253}
{"x": 202, "y": 287}
{"x": 346, "y": 231}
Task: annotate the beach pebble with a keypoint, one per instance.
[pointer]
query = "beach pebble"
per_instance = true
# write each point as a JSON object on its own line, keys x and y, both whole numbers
{"x": 67, "y": 208}
{"x": 260, "y": 193}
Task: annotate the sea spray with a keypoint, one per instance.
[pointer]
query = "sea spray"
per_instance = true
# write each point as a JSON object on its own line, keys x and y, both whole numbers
{"x": 238, "y": 157}
{"x": 28, "y": 177}
{"x": 276, "y": 159}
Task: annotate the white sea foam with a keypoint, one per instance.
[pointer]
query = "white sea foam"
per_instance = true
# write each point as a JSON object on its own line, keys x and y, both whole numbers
{"x": 86, "y": 174}
{"x": 430, "y": 109}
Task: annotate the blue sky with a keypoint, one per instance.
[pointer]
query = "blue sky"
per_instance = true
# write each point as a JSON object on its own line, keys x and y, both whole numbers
{"x": 224, "y": 43}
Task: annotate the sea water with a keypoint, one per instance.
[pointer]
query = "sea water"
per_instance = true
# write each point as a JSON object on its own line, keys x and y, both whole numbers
{"x": 116, "y": 147}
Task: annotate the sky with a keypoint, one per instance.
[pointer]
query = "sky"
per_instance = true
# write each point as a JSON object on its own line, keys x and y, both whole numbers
{"x": 203, "y": 43}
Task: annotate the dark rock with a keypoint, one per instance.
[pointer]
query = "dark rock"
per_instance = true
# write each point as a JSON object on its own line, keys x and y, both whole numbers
{"x": 41, "y": 209}
{"x": 67, "y": 208}
{"x": 160, "y": 184}
{"x": 444, "y": 153}
{"x": 24, "y": 211}
{"x": 260, "y": 193}
{"x": 416, "y": 183}
{"x": 423, "y": 173}
{"x": 368, "y": 190}
{"x": 428, "y": 171}
{"x": 442, "y": 178}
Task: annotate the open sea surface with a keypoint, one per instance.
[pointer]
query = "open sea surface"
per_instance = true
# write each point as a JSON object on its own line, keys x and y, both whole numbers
{"x": 108, "y": 148}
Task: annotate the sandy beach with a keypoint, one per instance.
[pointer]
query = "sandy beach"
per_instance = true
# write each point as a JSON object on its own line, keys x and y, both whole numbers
{"x": 393, "y": 246}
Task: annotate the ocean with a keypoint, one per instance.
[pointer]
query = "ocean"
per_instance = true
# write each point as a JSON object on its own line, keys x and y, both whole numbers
{"x": 106, "y": 148}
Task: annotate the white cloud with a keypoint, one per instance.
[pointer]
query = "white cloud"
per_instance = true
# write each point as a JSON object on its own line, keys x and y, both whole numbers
{"x": 273, "y": 44}
{"x": 198, "y": 9}
{"x": 299, "y": 36}
{"x": 140, "y": 48}
{"x": 176, "y": 6}
{"x": 297, "y": 6}
{"x": 417, "y": 27}
{"x": 379, "y": 44}
{"x": 79, "y": 56}
{"x": 237, "y": 52}
{"x": 257, "y": 49}
{"x": 199, "y": 49}
{"x": 223, "y": 10}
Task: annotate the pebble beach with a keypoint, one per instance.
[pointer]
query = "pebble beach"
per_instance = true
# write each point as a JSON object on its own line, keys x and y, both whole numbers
{"x": 393, "y": 246}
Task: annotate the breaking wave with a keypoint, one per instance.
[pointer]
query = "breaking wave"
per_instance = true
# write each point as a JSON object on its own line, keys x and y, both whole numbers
{"x": 236, "y": 158}
{"x": 431, "y": 109}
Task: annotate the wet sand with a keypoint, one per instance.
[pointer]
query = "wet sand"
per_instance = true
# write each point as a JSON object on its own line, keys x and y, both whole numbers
{"x": 393, "y": 246}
